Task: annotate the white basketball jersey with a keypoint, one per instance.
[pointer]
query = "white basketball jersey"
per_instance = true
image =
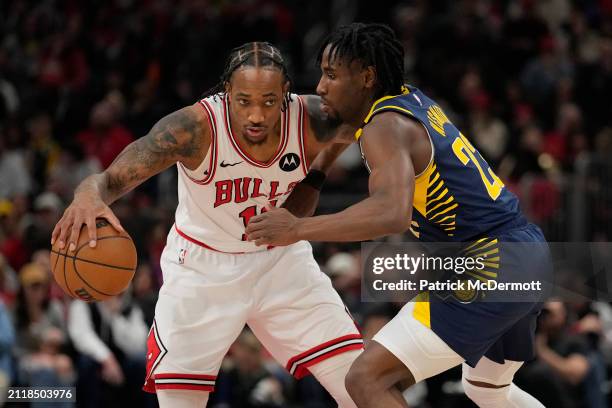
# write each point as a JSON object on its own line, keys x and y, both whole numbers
{"x": 217, "y": 199}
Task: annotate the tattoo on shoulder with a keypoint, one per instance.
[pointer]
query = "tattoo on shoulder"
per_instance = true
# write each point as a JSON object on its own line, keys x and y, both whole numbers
{"x": 176, "y": 137}
{"x": 323, "y": 127}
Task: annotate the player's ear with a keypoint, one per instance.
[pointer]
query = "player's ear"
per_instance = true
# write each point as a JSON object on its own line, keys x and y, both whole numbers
{"x": 286, "y": 87}
{"x": 369, "y": 76}
{"x": 227, "y": 86}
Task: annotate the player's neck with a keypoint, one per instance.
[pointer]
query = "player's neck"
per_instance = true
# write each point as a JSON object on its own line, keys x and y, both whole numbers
{"x": 363, "y": 112}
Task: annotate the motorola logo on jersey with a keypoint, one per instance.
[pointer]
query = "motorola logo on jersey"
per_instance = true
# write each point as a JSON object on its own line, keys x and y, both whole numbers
{"x": 289, "y": 162}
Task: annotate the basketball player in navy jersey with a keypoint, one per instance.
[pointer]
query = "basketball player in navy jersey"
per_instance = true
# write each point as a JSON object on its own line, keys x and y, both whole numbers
{"x": 243, "y": 147}
{"x": 426, "y": 176}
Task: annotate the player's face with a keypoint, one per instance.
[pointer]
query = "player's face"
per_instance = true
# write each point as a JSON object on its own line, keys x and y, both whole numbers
{"x": 256, "y": 97}
{"x": 342, "y": 88}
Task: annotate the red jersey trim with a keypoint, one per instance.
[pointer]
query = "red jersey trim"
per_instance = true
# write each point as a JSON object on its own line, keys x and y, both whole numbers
{"x": 153, "y": 339}
{"x": 203, "y": 245}
{"x": 177, "y": 381}
{"x": 199, "y": 377}
{"x": 285, "y": 117}
{"x": 298, "y": 365}
{"x": 193, "y": 387}
{"x": 212, "y": 167}
{"x": 302, "y": 135}
{"x": 200, "y": 243}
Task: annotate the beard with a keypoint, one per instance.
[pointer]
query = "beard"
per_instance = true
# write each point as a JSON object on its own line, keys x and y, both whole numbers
{"x": 333, "y": 116}
{"x": 334, "y": 119}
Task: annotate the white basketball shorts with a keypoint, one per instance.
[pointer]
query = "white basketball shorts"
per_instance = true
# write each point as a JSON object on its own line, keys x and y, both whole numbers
{"x": 207, "y": 297}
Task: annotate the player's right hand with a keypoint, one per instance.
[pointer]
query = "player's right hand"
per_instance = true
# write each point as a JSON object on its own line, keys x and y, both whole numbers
{"x": 83, "y": 210}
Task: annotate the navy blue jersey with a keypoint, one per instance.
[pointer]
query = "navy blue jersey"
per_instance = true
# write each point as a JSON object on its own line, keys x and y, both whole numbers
{"x": 457, "y": 197}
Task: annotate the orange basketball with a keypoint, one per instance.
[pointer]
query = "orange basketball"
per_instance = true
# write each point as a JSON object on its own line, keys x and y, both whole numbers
{"x": 96, "y": 273}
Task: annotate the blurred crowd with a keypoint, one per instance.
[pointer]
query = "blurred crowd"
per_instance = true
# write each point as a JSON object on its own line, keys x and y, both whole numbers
{"x": 527, "y": 81}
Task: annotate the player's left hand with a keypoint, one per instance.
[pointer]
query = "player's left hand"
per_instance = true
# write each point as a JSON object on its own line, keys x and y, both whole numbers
{"x": 276, "y": 227}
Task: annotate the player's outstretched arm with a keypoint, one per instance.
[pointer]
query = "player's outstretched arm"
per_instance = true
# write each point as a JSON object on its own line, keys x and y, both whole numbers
{"x": 388, "y": 209}
{"x": 303, "y": 200}
{"x": 182, "y": 136}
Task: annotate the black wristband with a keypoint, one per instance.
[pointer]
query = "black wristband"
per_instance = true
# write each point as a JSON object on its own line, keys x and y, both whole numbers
{"x": 315, "y": 179}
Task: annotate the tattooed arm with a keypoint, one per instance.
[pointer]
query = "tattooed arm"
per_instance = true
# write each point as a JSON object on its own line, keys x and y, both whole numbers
{"x": 323, "y": 131}
{"x": 182, "y": 136}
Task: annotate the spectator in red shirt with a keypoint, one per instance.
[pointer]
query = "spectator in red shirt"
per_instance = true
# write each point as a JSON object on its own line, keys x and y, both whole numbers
{"x": 105, "y": 138}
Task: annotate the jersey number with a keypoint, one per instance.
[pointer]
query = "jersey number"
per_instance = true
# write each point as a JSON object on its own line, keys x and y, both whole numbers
{"x": 249, "y": 213}
{"x": 465, "y": 152}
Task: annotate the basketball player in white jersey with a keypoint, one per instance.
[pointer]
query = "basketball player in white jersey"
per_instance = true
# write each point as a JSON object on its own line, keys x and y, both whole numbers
{"x": 241, "y": 149}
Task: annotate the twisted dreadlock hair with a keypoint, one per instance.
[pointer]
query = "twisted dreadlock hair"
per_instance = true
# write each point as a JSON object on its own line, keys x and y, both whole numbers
{"x": 373, "y": 45}
{"x": 253, "y": 54}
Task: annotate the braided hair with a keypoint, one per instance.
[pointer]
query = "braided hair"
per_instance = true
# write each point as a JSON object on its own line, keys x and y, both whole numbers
{"x": 373, "y": 45}
{"x": 253, "y": 54}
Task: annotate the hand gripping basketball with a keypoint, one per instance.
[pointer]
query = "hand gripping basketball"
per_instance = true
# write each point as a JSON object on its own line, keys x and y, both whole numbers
{"x": 85, "y": 268}
{"x": 96, "y": 273}
{"x": 84, "y": 209}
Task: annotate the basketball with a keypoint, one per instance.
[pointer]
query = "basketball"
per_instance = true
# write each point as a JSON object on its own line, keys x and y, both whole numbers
{"x": 98, "y": 273}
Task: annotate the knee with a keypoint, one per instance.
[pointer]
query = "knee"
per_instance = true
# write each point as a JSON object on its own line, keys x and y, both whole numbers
{"x": 179, "y": 398}
{"x": 468, "y": 389}
{"x": 366, "y": 379}
{"x": 486, "y": 397}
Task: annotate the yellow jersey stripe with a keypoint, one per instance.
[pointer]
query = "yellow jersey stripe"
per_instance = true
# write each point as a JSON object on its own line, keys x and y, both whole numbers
{"x": 405, "y": 91}
{"x": 452, "y": 207}
{"x": 448, "y": 201}
{"x": 445, "y": 223}
{"x": 421, "y": 309}
{"x": 435, "y": 178}
{"x": 433, "y": 203}
{"x": 440, "y": 196}
{"x": 439, "y": 186}
{"x": 491, "y": 264}
{"x": 487, "y": 245}
{"x": 448, "y": 217}
{"x": 394, "y": 107}
{"x": 485, "y": 273}
{"x": 491, "y": 252}
{"x": 359, "y": 131}
{"x": 475, "y": 243}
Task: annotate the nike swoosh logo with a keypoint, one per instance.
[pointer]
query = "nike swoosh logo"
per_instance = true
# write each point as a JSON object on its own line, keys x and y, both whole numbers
{"x": 224, "y": 164}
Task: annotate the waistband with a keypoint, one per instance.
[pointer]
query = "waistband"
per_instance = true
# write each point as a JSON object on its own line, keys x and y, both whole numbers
{"x": 204, "y": 245}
